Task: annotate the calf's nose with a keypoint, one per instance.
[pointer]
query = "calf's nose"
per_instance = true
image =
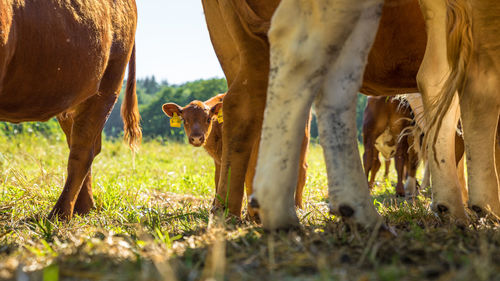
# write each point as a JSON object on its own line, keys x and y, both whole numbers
{"x": 197, "y": 140}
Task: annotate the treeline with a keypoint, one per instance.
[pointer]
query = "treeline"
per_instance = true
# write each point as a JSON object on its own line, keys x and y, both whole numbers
{"x": 151, "y": 95}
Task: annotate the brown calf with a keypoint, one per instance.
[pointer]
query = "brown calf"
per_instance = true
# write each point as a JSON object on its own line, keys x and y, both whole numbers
{"x": 384, "y": 121}
{"x": 204, "y": 129}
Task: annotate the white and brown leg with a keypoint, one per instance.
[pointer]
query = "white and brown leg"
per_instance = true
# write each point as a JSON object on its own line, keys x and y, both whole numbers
{"x": 446, "y": 190}
{"x": 303, "y": 63}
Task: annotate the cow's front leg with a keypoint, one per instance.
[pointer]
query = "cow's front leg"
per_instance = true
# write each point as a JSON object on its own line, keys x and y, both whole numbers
{"x": 315, "y": 46}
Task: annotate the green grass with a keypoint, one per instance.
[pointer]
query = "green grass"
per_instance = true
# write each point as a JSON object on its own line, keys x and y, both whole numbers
{"x": 154, "y": 223}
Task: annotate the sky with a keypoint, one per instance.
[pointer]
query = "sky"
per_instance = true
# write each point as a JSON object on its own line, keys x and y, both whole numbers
{"x": 172, "y": 41}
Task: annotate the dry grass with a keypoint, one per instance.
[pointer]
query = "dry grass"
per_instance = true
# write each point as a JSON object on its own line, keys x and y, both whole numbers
{"x": 154, "y": 224}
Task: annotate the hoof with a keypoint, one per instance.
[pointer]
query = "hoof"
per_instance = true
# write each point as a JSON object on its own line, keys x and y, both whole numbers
{"x": 84, "y": 210}
{"x": 253, "y": 202}
{"x": 346, "y": 211}
{"x": 59, "y": 214}
{"x": 442, "y": 209}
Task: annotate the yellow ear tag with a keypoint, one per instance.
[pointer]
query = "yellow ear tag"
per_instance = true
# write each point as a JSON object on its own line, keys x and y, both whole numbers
{"x": 175, "y": 121}
{"x": 219, "y": 116}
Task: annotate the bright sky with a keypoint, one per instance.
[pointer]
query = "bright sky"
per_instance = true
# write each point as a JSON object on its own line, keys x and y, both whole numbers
{"x": 172, "y": 41}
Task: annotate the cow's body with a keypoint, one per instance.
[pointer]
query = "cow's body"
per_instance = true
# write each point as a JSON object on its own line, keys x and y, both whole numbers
{"x": 386, "y": 125}
{"x": 68, "y": 58}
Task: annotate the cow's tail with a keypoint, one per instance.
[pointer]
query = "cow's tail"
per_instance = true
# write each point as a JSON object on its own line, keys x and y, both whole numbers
{"x": 459, "y": 47}
{"x": 130, "y": 108}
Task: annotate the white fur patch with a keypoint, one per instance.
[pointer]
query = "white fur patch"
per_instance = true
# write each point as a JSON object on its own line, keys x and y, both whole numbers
{"x": 382, "y": 144}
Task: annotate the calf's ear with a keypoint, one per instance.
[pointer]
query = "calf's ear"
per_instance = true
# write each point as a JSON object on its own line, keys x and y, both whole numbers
{"x": 171, "y": 108}
{"x": 214, "y": 110}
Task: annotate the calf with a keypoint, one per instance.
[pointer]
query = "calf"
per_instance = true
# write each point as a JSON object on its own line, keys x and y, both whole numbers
{"x": 385, "y": 119}
{"x": 203, "y": 129}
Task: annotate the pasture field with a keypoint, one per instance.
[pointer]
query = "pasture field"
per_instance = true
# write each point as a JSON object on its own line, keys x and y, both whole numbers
{"x": 154, "y": 223}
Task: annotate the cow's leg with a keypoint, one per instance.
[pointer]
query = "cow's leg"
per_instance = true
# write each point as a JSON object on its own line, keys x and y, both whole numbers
{"x": 400, "y": 160}
{"x": 412, "y": 165}
{"x": 85, "y": 201}
{"x": 367, "y": 159}
{"x": 252, "y": 213}
{"x": 387, "y": 168}
{"x": 460, "y": 160}
{"x": 245, "y": 60}
{"x": 374, "y": 167}
{"x": 480, "y": 107}
{"x": 315, "y": 45}
{"x": 217, "y": 174}
{"x": 371, "y": 162}
{"x": 497, "y": 151}
{"x": 426, "y": 178}
{"x": 446, "y": 190}
{"x": 303, "y": 165}
{"x": 88, "y": 121}
{"x": 243, "y": 110}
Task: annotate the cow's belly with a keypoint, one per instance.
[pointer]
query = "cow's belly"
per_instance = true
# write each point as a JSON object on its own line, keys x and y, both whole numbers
{"x": 382, "y": 144}
{"x": 41, "y": 100}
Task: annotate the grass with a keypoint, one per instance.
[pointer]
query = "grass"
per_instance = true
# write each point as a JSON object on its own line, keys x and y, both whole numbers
{"x": 154, "y": 223}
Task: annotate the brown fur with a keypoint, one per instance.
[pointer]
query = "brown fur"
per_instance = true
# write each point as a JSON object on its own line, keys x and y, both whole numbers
{"x": 68, "y": 58}
{"x": 474, "y": 58}
{"x": 397, "y": 51}
{"x": 459, "y": 52}
{"x": 382, "y": 113}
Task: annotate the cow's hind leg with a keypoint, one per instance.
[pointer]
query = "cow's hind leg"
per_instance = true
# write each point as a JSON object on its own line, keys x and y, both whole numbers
{"x": 480, "y": 107}
{"x": 400, "y": 160}
{"x": 446, "y": 190}
{"x": 85, "y": 201}
{"x": 307, "y": 39}
{"x": 411, "y": 167}
{"x": 387, "y": 168}
{"x": 88, "y": 121}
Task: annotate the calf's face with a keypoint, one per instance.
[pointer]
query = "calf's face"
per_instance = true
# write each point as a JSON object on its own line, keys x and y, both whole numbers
{"x": 197, "y": 118}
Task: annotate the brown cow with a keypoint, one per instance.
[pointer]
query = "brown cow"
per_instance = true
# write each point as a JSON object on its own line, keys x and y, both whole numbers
{"x": 68, "y": 59}
{"x": 385, "y": 129}
{"x": 203, "y": 129}
{"x": 238, "y": 31}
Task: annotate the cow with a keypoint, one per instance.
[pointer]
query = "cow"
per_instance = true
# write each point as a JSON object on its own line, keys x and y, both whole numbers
{"x": 321, "y": 48}
{"x": 386, "y": 125}
{"x": 68, "y": 59}
{"x": 203, "y": 127}
{"x": 238, "y": 31}
{"x": 473, "y": 55}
